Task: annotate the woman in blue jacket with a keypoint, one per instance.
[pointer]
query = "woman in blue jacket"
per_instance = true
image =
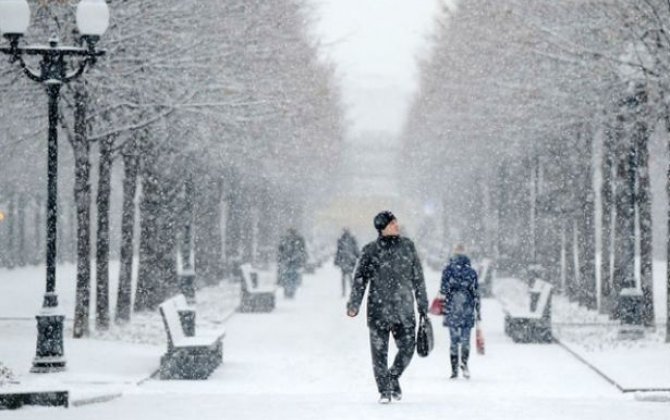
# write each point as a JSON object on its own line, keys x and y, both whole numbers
{"x": 460, "y": 289}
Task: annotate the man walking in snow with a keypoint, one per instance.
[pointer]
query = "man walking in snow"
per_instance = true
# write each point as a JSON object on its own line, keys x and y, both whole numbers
{"x": 391, "y": 266}
{"x": 345, "y": 257}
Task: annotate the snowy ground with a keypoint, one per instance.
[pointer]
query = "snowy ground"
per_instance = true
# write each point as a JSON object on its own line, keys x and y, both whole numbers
{"x": 308, "y": 360}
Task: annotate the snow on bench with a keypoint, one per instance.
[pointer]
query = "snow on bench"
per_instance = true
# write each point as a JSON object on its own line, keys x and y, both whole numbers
{"x": 258, "y": 289}
{"x": 187, "y": 357}
{"x": 532, "y": 325}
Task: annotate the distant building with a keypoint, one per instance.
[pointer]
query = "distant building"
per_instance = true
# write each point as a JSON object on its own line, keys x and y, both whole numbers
{"x": 368, "y": 183}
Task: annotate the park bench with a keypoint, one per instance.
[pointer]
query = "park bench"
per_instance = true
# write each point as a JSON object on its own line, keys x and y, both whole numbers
{"x": 532, "y": 325}
{"x": 485, "y": 277}
{"x": 187, "y": 357}
{"x": 16, "y": 397}
{"x": 258, "y": 289}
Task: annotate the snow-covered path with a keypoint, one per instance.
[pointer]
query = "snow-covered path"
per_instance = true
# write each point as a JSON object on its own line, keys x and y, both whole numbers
{"x": 307, "y": 360}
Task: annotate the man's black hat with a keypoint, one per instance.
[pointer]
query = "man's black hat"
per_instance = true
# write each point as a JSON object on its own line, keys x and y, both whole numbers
{"x": 382, "y": 219}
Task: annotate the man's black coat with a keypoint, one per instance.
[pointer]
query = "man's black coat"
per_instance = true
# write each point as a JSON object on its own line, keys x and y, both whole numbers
{"x": 391, "y": 266}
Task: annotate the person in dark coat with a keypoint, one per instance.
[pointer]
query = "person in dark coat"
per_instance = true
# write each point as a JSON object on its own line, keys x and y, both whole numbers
{"x": 391, "y": 267}
{"x": 291, "y": 258}
{"x": 346, "y": 256}
{"x": 460, "y": 289}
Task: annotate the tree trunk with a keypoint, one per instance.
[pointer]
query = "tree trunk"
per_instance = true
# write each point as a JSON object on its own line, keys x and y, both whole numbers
{"x": 247, "y": 224}
{"x": 667, "y": 257}
{"x": 446, "y": 234}
{"x": 264, "y": 227}
{"x": 233, "y": 221}
{"x": 37, "y": 255}
{"x": 624, "y": 235}
{"x": 72, "y": 225}
{"x": 207, "y": 228}
{"x": 534, "y": 208}
{"x": 606, "y": 193}
{"x": 503, "y": 202}
{"x": 571, "y": 271}
{"x": 82, "y": 196}
{"x": 587, "y": 245}
{"x": 147, "y": 280}
{"x": 102, "y": 237}
{"x": 489, "y": 217}
{"x": 560, "y": 286}
{"x": 523, "y": 204}
{"x": 644, "y": 209}
{"x": 157, "y": 277}
{"x": 10, "y": 261}
{"x": 21, "y": 204}
{"x": 569, "y": 170}
{"x": 168, "y": 235}
{"x": 477, "y": 213}
{"x": 124, "y": 294}
{"x": 667, "y": 252}
{"x": 5, "y": 219}
{"x": 187, "y": 227}
{"x": 549, "y": 229}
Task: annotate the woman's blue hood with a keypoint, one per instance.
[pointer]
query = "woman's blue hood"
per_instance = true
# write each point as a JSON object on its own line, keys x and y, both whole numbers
{"x": 459, "y": 259}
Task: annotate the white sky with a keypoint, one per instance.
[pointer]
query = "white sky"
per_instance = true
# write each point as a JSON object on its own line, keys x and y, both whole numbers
{"x": 375, "y": 44}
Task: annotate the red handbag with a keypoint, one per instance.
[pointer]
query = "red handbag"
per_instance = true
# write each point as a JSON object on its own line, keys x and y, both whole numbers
{"x": 437, "y": 306}
{"x": 479, "y": 340}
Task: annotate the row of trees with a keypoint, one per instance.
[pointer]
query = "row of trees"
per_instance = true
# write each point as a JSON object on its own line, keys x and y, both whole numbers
{"x": 523, "y": 106}
{"x": 211, "y": 112}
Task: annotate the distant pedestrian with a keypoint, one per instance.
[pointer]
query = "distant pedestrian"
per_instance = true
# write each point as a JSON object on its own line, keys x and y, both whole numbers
{"x": 345, "y": 257}
{"x": 460, "y": 289}
{"x": 291, "y": 259}
{"x": 391, "y": 266}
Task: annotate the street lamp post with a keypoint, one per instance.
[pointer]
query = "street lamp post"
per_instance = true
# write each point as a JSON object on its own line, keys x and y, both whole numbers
{"x": 92, "y": 21}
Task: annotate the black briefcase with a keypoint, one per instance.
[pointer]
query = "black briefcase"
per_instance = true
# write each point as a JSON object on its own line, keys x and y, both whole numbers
{"x": 424, "y": 337}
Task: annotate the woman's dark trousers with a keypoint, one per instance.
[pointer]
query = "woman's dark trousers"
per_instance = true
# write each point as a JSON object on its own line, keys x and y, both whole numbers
{"x": 459, "y": 336}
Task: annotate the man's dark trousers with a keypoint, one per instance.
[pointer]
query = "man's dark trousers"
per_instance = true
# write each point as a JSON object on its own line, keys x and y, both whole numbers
{"x": 379, "y": 345}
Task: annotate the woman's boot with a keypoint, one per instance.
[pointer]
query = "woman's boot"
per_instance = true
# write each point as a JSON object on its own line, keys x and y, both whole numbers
{"x": 454, "y": 366}
{"x": 465, "y": 354}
